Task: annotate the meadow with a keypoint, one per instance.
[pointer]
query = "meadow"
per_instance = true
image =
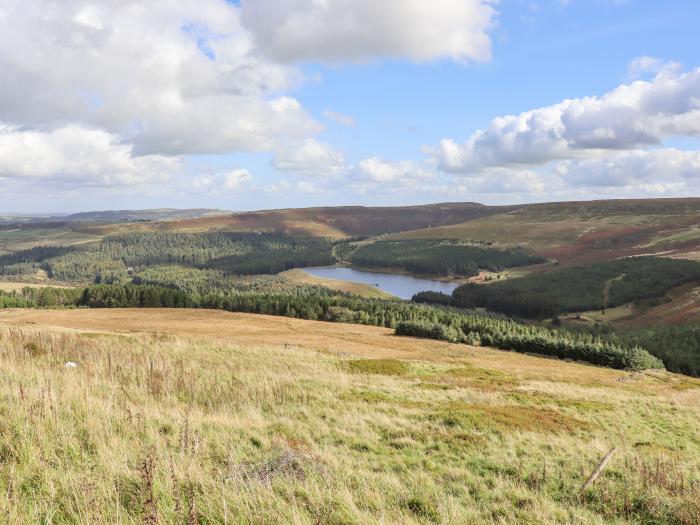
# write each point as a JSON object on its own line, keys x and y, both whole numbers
{"x": 210, "y": 417}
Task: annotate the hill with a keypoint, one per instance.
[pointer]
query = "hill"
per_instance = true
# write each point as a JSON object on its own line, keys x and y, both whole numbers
{"x": 577, "y": 232}
{"x": 333, "y": 222}
{"x": 176, "y": 415}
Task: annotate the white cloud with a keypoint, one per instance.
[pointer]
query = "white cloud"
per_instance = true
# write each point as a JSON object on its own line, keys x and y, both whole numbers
{"x": 643, "y": 64}
{"x": 666, "y": 171}
{"x": 301, "y": 186}
{"x": 217, "y": 183}
{"x": 658, "y": 168}
{"x": 340, "y": 118}
{"x": 169, "y": 77}
{"x": 309, "y": 157}
{"x": 73, "y": 155}
{"x": 235, "y": 178}
{"x": 341, "y": 30}
{"x": 376, "y": 170}
{"x": 632, "y": 116}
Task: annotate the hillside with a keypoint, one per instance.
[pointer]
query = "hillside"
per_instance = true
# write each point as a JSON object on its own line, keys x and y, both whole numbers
{"x": 578, "y": 232}
{"x": 209, "y": 417}
{"x": 334, "y": 222}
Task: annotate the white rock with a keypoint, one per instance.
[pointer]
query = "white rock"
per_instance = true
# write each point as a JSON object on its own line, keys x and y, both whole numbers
{"x": 71, "y": 364}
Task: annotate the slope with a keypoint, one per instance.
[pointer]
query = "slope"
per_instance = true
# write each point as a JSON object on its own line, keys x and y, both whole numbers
{"x": 578, "y": 232}
{"x": 195, "y": 416}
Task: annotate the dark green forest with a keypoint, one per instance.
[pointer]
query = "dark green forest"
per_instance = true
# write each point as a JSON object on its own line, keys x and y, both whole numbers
{"x": 578, "y": 288}
{"x": 407, "y": 318}
{"x": 439, "y": 257}
{"x": 112, "y": 259}
{"x": 678, "y": 346}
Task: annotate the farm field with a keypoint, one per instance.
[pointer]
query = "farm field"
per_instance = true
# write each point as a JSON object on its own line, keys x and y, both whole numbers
{"x": 177, "y": 415}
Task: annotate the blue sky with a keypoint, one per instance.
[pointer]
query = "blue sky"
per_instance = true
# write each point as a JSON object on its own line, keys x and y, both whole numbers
{"x": 357, "y": 117}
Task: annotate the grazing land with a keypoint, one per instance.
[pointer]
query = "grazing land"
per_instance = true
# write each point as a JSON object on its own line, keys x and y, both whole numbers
{"x": 215, "y": 417}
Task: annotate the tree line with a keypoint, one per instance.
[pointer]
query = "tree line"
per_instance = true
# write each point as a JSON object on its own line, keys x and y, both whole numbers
{"x": 407, "y": 318}
{"x": 112, "y": 259}
{"x": 593, "y": 286}
{"x": 439, "y": 257}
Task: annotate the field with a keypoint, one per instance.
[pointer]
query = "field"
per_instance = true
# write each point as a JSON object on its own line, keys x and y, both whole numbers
{"x": 176, "y": 416}
{"x": 12, "y": 240}
{"x": 7, "y": 286}
{"x": 297, "y": 276}
{"x": 680, "y": 305}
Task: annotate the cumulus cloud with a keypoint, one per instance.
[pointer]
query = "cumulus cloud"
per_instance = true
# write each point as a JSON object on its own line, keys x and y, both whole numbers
{"x": 632, "y": 116}
{"x": 74, "y": 155}
{"x": 169, "y": 77}
{"x": 376, "y": 170}
{"x": 657, "y": 169}
{"x": 664, "y": 171}
{"x": 340, "y": 30}
{"x": 309, "y": 157}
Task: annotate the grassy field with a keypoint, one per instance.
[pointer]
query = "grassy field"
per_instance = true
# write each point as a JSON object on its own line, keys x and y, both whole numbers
{"x": 177, "y": 416}
{"x": 680, "y": 305}
{"x": 7, "y": 286}
{"x": 27, "y": 238}
{"x": 297, "y": 276}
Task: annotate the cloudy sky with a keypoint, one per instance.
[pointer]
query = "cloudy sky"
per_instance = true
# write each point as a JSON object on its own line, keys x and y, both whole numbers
{"x": 255, "y": 104}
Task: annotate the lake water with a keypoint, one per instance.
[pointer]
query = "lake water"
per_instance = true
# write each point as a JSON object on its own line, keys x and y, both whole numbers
{"x": 403, "y": 286}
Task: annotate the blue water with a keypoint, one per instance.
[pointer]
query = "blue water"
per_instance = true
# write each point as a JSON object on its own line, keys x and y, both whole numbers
{"x": 403, "y": 286}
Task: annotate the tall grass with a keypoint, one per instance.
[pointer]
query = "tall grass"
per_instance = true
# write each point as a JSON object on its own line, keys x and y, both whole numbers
{"x": 153, "y": 428}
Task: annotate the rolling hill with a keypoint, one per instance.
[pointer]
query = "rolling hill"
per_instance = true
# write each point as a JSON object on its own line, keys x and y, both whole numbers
{"x": 332, "y": 222}
{"x": 577, "y": 232}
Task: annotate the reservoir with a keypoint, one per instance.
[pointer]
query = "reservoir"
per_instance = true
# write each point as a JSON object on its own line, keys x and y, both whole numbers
{"x": 402, "y": 286}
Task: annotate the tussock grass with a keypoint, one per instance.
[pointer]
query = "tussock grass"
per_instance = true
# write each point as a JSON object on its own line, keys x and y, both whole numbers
{"x": 159, "y": 429}
{"x": 387, "y": 367}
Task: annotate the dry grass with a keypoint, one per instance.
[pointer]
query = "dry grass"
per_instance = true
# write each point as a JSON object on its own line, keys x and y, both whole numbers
{"x": 234, "y": 419}
{"x": 7, "y": 286}
{"x": 363, "y": 290}
{"x": 26, "y": 238}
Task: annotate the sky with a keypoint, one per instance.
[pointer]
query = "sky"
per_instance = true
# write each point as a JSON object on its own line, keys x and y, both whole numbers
{"x": 260, "y": 104}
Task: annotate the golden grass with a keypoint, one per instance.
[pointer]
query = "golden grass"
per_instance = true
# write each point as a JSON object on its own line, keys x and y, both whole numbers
{"x": 192, "y": 416}
{"x": 6, "y": 286}
{"x": 363, "y": 290}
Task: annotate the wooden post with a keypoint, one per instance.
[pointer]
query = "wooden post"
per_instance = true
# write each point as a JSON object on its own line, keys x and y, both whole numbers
{"x": 594, "y": 476}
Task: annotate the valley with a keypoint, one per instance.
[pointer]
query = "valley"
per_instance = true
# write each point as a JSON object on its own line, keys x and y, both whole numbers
{"x": 262, "y": 366}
